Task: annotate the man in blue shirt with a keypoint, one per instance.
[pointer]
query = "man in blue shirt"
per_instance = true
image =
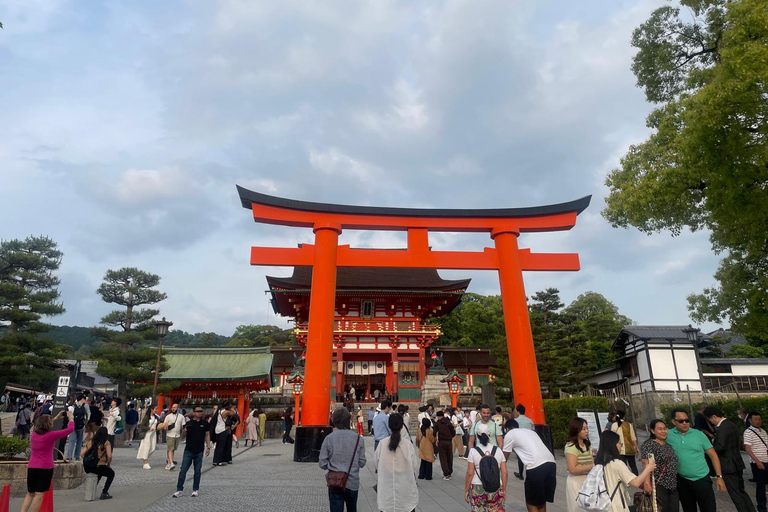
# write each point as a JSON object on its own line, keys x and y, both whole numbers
{"x": 381, "y": 423}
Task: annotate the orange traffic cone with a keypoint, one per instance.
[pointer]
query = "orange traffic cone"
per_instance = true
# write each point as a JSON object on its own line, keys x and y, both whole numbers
{"x": 5, "y": 499}
{"x": 47, "y": 504}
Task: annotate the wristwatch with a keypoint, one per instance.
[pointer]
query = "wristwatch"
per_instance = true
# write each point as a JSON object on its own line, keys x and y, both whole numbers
{"x": 718, "y": 476}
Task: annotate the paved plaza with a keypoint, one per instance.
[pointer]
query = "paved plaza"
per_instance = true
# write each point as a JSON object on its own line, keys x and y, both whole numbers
{"x": 266, "y": 478}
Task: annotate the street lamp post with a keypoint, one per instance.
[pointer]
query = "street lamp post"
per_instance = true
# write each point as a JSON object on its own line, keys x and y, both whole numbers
{"x": 298, "y": 389}
{"x": 453, "y": 380}
{"x": 162, "y": 329}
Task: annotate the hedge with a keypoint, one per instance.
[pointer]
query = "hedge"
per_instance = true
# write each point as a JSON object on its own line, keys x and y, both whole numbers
{"x": 560, "y": 411}
{"x": 10, "y": 446}
{"x": 729, "y": 408}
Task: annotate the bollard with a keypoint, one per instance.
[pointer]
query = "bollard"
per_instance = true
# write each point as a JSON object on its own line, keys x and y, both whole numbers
{"x": 91, "y": 486}
{"x": 5, "y": 499}
{"x": 47, "y": 504}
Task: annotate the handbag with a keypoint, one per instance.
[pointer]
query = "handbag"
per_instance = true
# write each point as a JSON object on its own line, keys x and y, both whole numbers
{"x": 337, "y": 480}
{"x": 120, "y": 428}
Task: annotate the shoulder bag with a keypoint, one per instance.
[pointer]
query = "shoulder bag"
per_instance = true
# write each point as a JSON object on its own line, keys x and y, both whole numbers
{"x": 337, "y": 480}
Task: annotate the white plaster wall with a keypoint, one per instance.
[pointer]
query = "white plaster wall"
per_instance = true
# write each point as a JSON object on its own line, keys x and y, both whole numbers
{"x": 686, "y": 364}
{"x": 642, "y": 366}
{"x": 662, "y": 364}
{"x": 669, "y": 385}
{"x": 752, "y": 370}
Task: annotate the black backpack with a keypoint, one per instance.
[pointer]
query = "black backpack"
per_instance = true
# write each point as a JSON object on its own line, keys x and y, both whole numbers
{"x": 489, "y": 474}
{"x": 79, "y": 416}
{"x": 91, "y": 457}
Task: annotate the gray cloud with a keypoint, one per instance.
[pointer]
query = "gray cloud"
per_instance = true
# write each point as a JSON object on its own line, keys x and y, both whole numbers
{"x": 127, "y": 128}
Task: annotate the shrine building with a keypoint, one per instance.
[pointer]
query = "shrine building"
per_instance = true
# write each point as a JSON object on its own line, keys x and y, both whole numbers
{"x": 382, "y": 328}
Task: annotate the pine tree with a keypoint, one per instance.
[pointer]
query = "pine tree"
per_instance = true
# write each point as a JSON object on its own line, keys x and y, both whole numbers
{"x": 28, "y": 291}
{"x": 125, "y": 356}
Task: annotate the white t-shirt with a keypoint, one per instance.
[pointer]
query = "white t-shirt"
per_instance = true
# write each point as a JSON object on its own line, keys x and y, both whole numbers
{"x": 176, "y": 418}
{"x": 528, "y": 446}
{"x": 475, "y": 457}
{"x": 473, "y": 416}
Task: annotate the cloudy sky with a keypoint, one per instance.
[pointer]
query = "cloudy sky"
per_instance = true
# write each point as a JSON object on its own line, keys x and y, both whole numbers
{"x": 126, "y": 126}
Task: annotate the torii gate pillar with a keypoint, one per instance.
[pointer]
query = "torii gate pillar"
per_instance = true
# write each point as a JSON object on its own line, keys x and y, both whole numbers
{"x": 327, "y": 222}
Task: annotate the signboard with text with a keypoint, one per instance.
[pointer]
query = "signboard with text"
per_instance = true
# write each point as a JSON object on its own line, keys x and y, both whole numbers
{"x": 594, "y": 428}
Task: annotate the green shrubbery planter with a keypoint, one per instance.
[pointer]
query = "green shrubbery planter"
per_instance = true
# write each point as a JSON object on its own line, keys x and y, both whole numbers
{"x": 10, "y": 446}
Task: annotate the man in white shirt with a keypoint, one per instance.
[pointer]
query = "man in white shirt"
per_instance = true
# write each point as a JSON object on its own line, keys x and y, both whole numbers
{"x": 756, "y": 445}
{"x": 113, "y": 416}
{"x": 173, "y": 424}
{"x": 540, "y": 467}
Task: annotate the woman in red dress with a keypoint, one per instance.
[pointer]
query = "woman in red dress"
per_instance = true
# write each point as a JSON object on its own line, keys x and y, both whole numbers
{"x": 360, "y": 420}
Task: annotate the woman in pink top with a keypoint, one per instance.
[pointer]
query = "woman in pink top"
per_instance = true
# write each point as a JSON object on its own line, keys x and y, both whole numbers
{"x": 40, "y": 468}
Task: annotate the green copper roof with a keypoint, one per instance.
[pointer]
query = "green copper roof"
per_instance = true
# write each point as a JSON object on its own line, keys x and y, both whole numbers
{"x": 222, "y": 363}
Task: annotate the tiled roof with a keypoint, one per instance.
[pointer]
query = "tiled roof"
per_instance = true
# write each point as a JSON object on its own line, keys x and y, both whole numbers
{"x": 221, "y": 363}
{"x": 664, "y": 332}
{"x": 373, "y": 278}
{"x": 732, "y": 339}
{"x": 734, "y": 360}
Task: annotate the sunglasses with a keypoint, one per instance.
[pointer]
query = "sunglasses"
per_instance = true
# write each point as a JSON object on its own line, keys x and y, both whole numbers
{"x": 199, "y": 411}
{"x": 682, "y": 421}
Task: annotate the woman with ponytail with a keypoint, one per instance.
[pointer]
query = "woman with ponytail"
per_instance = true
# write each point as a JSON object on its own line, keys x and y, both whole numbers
{"x": 397, "y": 463}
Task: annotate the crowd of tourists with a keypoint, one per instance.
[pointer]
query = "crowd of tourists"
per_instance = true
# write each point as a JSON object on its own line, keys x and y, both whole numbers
{"x": 679, "y": 465}
{"x": 89, "y": 426}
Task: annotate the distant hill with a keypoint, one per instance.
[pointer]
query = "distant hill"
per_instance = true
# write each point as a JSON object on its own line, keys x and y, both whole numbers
{"x": 80, "y": 338}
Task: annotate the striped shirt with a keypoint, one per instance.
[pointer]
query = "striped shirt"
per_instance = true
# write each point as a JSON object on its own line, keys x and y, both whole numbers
{"x": 583, "y": 458}
{"x": 757, "y": 438}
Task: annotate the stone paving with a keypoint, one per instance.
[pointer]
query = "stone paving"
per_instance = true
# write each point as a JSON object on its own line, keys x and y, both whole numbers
{"x": 266, "y": 478}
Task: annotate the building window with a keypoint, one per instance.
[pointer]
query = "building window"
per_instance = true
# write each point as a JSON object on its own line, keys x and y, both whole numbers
{"x": 366, "y": 309}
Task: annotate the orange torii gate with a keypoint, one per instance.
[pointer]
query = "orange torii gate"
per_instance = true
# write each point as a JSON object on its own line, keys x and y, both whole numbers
{"x": 327, "y": 222}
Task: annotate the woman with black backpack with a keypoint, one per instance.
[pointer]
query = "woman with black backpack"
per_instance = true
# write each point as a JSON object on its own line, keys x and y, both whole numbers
{"x": 97, "y": 458}
{"x": 485, "y": 485}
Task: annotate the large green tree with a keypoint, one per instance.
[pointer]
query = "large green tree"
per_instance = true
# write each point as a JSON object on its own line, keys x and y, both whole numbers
{"x": 28, "y": 292}
{"x": 705, "y": 165}
{"x": 570, "y": 342}
{"x": 125, "y": 356}
{"x": 260, "y": 336}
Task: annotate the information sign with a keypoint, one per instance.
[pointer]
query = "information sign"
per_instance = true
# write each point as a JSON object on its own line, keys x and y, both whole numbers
{"x": 594, "y": 429}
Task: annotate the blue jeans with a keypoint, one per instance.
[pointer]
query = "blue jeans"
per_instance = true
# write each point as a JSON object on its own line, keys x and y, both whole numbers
{"x": 187, "y": 461}
{"x": 338, "y": 499}
{"x": 75, "y": 444}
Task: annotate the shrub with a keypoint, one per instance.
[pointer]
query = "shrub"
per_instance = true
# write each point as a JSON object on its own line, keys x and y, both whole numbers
{"x": 11, "y": 446}
{"x": 729, "y": 408}
{"x": 560, "y": 411}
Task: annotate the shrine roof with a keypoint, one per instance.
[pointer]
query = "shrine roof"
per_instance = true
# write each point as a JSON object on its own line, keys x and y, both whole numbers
{"x": 218, "y": 364}
{"x": 373, "y": 278}
{"x": 248, "y": 197}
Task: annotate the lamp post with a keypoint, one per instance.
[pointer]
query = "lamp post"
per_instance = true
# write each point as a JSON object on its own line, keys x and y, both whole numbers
{"x": 162, "y": 329}
{"x": 692, "y": 334}
{"x": 453, "y": 380}
{"x": 298, "y": 389}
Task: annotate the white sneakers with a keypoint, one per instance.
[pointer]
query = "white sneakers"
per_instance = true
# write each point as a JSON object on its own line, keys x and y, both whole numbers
{"x": 170, "y": 466}
{"x": 146, "y": 466}
{"x": 177, "y": 494}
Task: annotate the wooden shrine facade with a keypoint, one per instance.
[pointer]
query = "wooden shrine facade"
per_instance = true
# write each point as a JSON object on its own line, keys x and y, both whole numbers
{"x": 217, "y": 374}
{"x": 383, "y": 323}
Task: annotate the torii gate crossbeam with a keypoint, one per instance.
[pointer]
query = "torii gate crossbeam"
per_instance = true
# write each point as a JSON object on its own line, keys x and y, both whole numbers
{"x": 328, "y": 221}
